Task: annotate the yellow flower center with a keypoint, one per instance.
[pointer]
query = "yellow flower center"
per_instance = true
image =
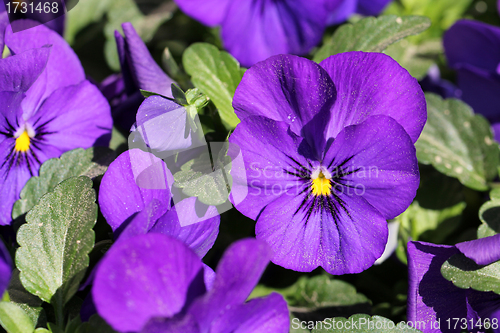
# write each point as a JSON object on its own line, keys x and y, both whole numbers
{"x": 23, "y": 142}
{"x": 321, "y": 185}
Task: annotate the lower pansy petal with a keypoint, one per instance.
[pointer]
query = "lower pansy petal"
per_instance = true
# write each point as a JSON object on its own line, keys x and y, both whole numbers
{"x": 377, "y": 161}
{"x": 142, "y": 278}
{"x": 374, "y": 84}
{"x": 237, "y": 273}
{"x": 264, "y": 315}
{"x": 432, "y": 298}
{"x": 201, "y": 225}
{"x": 120, "y": 194}
{"x": 339, "y": 233}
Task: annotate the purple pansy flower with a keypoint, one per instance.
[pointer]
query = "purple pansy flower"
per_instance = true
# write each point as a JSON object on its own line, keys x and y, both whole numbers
{"x": 433, "y": 82}
{"x": 133, "y": 203}
{"x": 473, "y": 50}
{"x": 255, "y": 30}
{"x": 329, "y": 156}
{"x": 432, "y": 299}
{"x": 138, "y": 71}
{"x": 47, "y": 108}
{"x": 341, "y": 10}
{"x": 154, "y": 283}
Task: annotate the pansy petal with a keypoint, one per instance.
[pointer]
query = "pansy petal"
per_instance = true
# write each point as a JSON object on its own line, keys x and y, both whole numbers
{"x": 430, "y": 296}
{"x": 128, "y": 80}
{"x": 237, "y": 273}
{"x": 377, "y": 161}
{"x": 20, "y": 71}
{"x": 54, "y": 76}
{"x": 208, "y": 12}
{"x": 483, "y": 251}
{"x": 144, "y": 277}
{"x": 374, "y": 84}
{"x": 474, "y": 43}
{"x": 264, "y": 315}
{"x": 73, "y": 117}
{"x": 341, "y": 234}
{"x": 271, "y": 162}
{"x": 371, "y": 7}
{"x": 202, "y": 229}
{"x": 120, "y": 196}
{"x": 4, "y": 22}
{"x": 340, "y": 11}
{"x": 5, "y": 268}
{"x": 481, "y": 90}
{"x": 254, "y": 31}
{"x": 290, "y": 89}
{"x": 146, "y": 72}
{"x": 183, "y": 324}
{"x": 487, "y": 306}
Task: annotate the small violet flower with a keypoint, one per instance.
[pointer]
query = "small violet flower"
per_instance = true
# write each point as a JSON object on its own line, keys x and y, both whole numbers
{"x": 47, "y": 107}
{"x": 473, "y": 50}
{"x": 436, "y": 302}
{"x": 255, "y": 30}
{"x": 138, "y": 71}
{"x": 329, "y": 156}
{"x": 154, "y": 283}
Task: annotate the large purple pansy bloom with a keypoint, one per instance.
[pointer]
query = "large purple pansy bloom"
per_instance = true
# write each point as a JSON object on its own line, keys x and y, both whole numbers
{"x": 47, "y": 107}
{"x": 138, "y": 71}
{"x": 133, "y": 203}
{"x": 255, "y": 30}
{"x": 473, "y": 50}
{"x": 328, "y": 156}
{"x": 432, "y": 299}
{"x": 341, "y": 10}
{"x": 153, "y": 283}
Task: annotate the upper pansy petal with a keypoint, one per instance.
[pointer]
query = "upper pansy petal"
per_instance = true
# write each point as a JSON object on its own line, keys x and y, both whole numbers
{"x": 342, "y": 234}
{"x": 201, "y": 225}
{"x": 146, "y": 72}
{"x": 208, "y": 12}
{"x": 74, "y": 116}
{"x": 376, "y": 159}
{"x": 128, "y": 80}
{"x": 120, "y": 193}
{"x": 264, "y": 315}
{"x": 291, "y": 89}
{"x": 237, "y": 273}
{"x": 20, "y": 71}
{"x": 374, "y": 84}
{"x": 144, "y": 277}
{"x": 55, "y": 76}
{"x": 430, "y": 295}
{"x": 474, "y": 43}
{"x": 271, "y": 163}
{"x": 483, "y": 251}
{"x": 340, "y": 10}
{"x": 371, "y": 7}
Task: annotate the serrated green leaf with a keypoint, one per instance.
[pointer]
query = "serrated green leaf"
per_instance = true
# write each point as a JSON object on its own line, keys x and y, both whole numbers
{"x": 56, "y": 240}
{"x": 364, "y": 324}
{"x": 30, "y": 303}
{"x": 210, "y": 183}
{"x": 95, "y": 324}
{"x": 465, "y": 273}
{"x": 14, "y": 320}
{"x": 371, "y": 34}
{"x": 90, "y": 162}
{"x": 458, "y": 143}
{"x": 216, "y": 74}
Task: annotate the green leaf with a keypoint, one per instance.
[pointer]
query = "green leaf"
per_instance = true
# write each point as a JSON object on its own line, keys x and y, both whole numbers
{"x": 95, "y": 324}
{"x": 458, "y": 143}
{"x": 371, "y": 34}
{"x": 42, "y": 330}
{"x": 14, "y": 320}
{"x": 84, "y": 13}
{"x": 465, "y": 273}
{"x": 30, "y": 303}
{"x": 216, "y": 74}
{"x": 58, "y": 237}
{"x": 489, "y": 213}
{"x": 363, "y": 324}
{"x": 210, "y": 183}
{"x": 90, "y": 162}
